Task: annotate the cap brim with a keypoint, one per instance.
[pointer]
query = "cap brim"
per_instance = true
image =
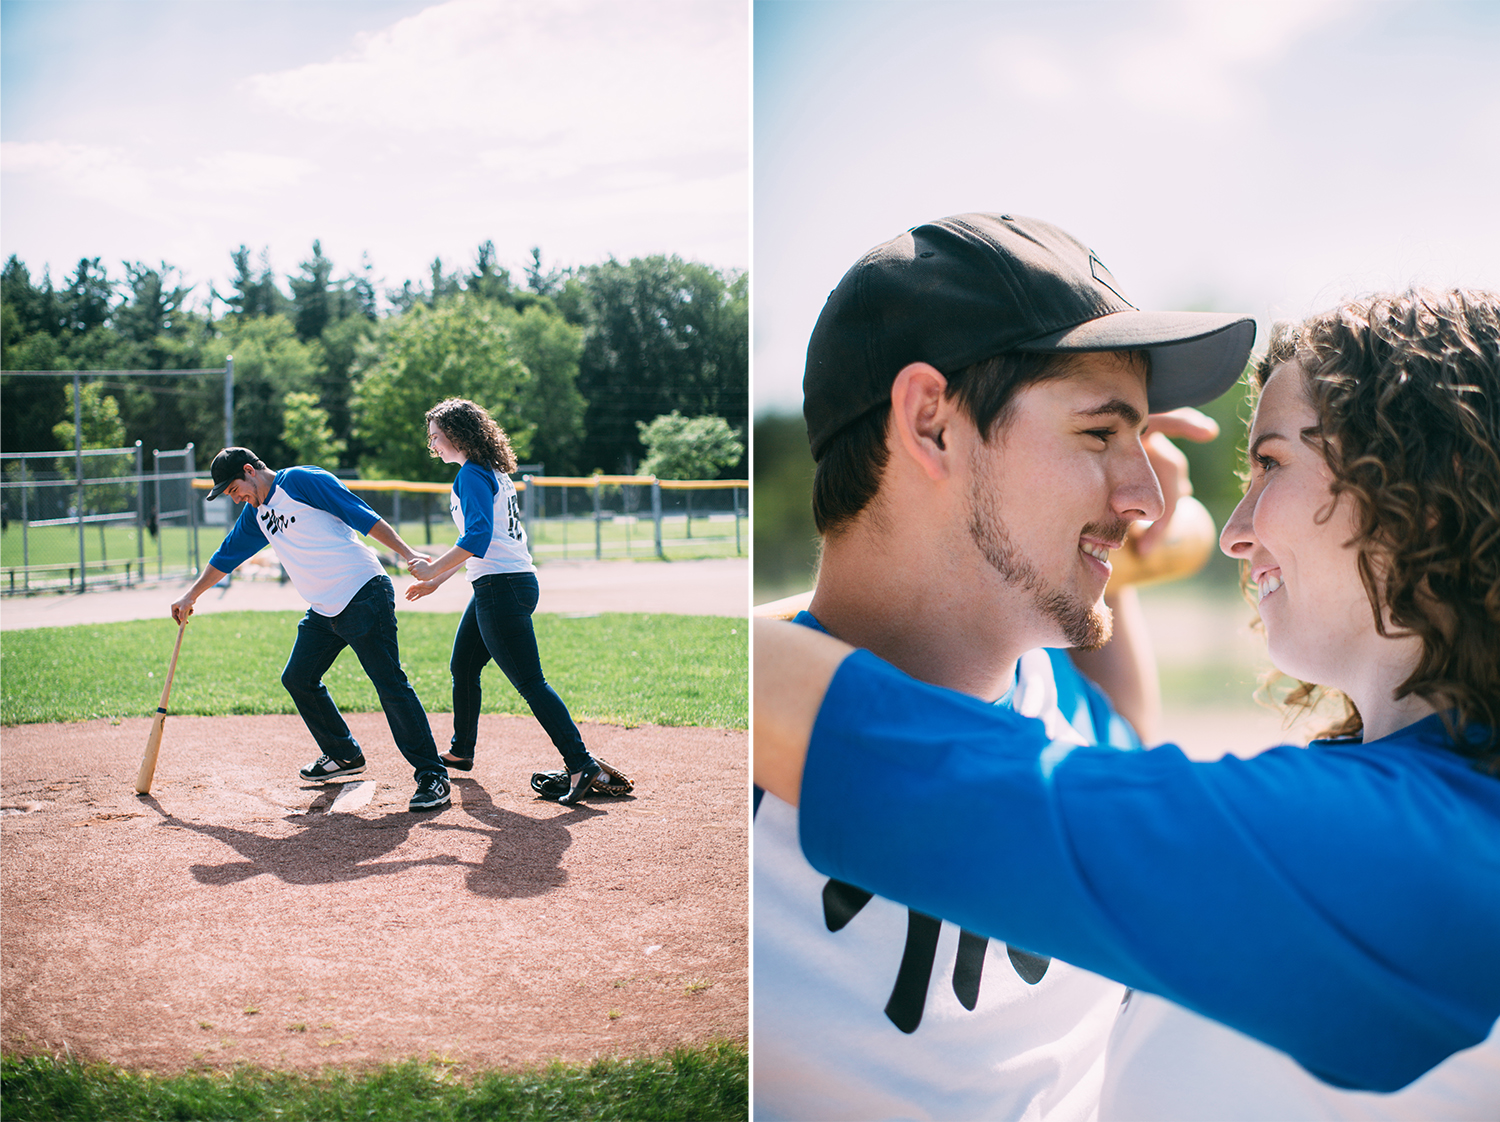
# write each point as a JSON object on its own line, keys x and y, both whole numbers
{"x": 218, "y": 489}
{"x": 1195, "y": 356}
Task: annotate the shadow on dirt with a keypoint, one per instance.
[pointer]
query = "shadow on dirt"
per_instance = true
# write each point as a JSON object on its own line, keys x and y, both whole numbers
{"x": 524, "y": 856}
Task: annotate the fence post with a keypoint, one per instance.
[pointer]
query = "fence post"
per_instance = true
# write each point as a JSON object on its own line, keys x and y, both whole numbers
{"x": 192, "y": 503}
{"x": 528, "y": 505}
{"x": 25, "y": 532}
{"x": 656, "y": 516}
{"x": 598, "y": 545}
{"x": 156, "y": 471}
{"x": 78, "y": 467}
{"x": 140, "y": 516}
{"x": 228, "y": 401}
{"x": 736, "y": 491}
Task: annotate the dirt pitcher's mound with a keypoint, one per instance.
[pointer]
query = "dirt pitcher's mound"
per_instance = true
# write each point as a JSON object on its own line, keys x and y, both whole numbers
{"x": 240, "y": 915}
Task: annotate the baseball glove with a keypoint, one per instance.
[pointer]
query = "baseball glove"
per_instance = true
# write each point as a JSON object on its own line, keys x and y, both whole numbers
{"x": 609, "y": 781}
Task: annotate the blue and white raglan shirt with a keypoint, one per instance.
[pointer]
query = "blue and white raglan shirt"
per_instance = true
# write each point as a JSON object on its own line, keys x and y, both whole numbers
{"x": 865, "y": 1009}
{"x": 484, "y": 508}
{"x": 1339, "y": 903}
{"x": 310, "y": 519}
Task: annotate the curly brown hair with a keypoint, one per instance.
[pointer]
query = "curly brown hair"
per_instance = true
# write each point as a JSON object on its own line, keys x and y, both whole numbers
{"x": 1406, "y": 388}
{"x": 471, "y": 430}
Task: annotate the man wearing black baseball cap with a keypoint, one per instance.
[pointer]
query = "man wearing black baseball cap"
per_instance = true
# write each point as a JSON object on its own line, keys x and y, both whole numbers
{"x": 313, "y": 521}
{"x": 977, "y": 395}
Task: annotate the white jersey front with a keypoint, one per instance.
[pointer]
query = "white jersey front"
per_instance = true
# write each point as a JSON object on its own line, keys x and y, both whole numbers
{"x": 1168, "y": 1064}
{"x": 867, "y": 1010}
{"x": 307, "y": 520}
{"x": 484, "y": 508}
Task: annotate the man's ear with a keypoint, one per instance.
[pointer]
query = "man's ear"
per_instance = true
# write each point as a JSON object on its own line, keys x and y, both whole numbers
{"x": 920, "y": 414}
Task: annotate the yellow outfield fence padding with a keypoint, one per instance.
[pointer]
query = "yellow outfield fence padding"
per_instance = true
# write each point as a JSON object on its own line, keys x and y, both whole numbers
{"x": 569, "y": 516}
{"x": 538, "y": 480}
{"x": 120, "y": 516}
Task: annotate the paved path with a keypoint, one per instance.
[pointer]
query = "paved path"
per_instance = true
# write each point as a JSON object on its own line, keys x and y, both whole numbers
{"x": 719, "y": 587}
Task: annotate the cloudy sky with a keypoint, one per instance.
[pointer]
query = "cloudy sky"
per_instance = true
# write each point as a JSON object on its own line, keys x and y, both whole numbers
{"x": 177, "y": 130}
{"x": 1261, "y": 157}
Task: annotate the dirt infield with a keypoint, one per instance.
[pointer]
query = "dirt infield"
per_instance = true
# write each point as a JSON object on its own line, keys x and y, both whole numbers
{"x": 238, "y": 914}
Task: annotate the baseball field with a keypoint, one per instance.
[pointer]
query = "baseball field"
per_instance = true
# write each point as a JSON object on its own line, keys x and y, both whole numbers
{"x": 319, "y": 951}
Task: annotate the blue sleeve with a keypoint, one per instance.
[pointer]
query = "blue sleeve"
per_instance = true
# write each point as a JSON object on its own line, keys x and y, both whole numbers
{"x": 243, "y": 541}
{"x": 476, "y": 489}
{"x": 1336, "y": 903}
{"x": 322, "y": 489}
{"x": 1086, "y": 708}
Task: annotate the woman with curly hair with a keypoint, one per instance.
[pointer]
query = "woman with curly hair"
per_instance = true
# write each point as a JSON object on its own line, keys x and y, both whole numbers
{"x": 1310, "y": 932}
{"x": 497, "y": 623}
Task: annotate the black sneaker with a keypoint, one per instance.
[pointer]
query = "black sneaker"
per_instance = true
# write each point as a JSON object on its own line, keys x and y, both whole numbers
{"x": 432, "y": 792}
{"x": 326, "y": 767}
{"x": 581, "y": 781}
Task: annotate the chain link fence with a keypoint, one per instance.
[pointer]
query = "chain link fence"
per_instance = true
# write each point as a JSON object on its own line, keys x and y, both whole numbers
{"x": 114, "y": 517}
{"x": 604, "y": 517}
{"x": 102, "y": 517}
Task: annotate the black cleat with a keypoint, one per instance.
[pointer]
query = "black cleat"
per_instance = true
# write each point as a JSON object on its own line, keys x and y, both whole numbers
{"x": 326, "y": 767}
{"x": 582, "y": 781}
{"x": 432, "y": 792}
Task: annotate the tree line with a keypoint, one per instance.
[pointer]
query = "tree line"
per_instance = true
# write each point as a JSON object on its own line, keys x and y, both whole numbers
{"x": 575, "y": 363}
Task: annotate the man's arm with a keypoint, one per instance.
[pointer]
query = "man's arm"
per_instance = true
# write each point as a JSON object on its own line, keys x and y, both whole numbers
{"x": 1227, "y": 887}
{"x": 183, "y": 607}
{"x": 386, "y": 535}
{"x": 793, "y": 666}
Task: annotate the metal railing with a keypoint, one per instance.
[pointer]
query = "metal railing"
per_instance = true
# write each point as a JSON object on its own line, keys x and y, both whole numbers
{"x": 575, "y": 517}
{"x": 89, "y": 527}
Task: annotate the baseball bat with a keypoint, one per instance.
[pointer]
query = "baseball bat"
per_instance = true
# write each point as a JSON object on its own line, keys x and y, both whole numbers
{"x": 153, "y": 741}
{"x": 1190, "y": 539}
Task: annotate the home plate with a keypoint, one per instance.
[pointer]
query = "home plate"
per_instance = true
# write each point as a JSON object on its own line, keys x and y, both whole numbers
{"x": 353, "y": 796}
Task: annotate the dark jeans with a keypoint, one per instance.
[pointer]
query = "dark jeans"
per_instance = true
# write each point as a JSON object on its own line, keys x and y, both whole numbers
{"x": 497, "y": 624}
{"x": 368, "y": 626}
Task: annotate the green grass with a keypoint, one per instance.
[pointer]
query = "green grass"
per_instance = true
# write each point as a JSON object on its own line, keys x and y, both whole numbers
{"x": 617, "y": 668}
{"x": 709, "y": 1083}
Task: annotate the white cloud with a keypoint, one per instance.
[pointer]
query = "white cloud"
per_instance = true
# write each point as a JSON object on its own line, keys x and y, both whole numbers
{"x": 105, "y": 174}
{"x": 246, "y": 172}
{"x": 580, "y": 82}
{"x": 1184, "y": 60}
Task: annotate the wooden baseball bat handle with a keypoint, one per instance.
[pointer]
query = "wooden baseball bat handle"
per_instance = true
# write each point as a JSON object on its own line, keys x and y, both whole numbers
{"x": 1191, "y": 537}
{"x": 147, "y": 770}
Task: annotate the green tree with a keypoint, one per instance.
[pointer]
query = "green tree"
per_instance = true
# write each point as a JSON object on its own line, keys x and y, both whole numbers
{"x": 87, "y": 299}
{"x": 313, "y": 297}
{"x": 343, "y": 341}
{"x": 100, "y": 414}
{"x": 543, "y": 283}
{"x": 269, "y": 363}
{"x": 305, "y": 433}
{"x": 549, "y": 346}
{"x": 102, "y": 428}
{"x": 153, "y": 302}
{"x": 255, "y": 293}
{"x": 662, "y": 334}
{"x": 459, "y": 347}
{"x": 26, "y": 308}
{"x": 679, "y": 447}
{"x": 786, "y": 539}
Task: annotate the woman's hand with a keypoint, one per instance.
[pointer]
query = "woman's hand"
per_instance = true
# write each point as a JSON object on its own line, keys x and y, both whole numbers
{"x": 421, "y": 588}
{"x": 1170, "y": 464}
{"x": 421, "y": 568}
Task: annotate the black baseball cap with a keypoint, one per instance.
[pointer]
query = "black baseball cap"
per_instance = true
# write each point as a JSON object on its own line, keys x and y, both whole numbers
{"x": 970, "y": 287}
{"x": 228, "y": 466}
